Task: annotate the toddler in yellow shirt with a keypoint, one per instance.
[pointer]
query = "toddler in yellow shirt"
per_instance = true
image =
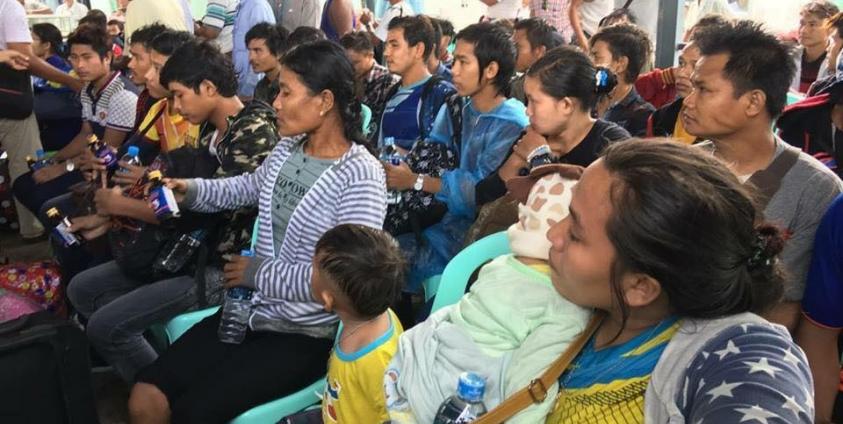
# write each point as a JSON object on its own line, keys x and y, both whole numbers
{"x": 357, "y": 273}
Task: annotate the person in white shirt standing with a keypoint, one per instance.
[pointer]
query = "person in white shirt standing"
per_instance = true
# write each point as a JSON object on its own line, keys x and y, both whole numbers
{"x": 218, "y": 24}
{"x": 585, "y": 16}
{"x": 19, "y": 137}
{"x": 379, "y": 29}
{"x": 74, "y": 9}
{"x": 502, "y": 9}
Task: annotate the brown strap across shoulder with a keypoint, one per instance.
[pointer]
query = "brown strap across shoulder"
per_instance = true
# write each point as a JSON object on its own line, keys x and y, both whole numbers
{"x": 536, "y": 392}
{"x": 769, "y": 180}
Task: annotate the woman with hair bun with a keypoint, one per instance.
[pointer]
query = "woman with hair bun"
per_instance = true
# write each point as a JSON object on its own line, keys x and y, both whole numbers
{"x": 666, "y": 241}
{"x": 319, "y": 175}
{"x": 562, "y": 89}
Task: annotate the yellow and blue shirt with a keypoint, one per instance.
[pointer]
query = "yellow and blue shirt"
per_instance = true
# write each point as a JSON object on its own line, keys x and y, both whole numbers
{"x": 607, "y": 386}
{"x": 354, "y": 390}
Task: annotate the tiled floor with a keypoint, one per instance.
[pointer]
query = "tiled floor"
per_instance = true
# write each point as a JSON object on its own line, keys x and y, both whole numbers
{"x": 111, "y": 392}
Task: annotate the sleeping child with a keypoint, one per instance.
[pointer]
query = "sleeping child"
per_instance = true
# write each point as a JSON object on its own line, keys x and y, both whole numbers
{"x": 508, "y": 328}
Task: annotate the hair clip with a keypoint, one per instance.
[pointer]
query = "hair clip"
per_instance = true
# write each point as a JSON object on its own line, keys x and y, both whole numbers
{"x": 602, "y": 77}
{"x": 759, "y": 256}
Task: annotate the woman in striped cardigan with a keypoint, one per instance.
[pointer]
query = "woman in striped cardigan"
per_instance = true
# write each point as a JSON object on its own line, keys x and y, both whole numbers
{"x": 309, "y": 184}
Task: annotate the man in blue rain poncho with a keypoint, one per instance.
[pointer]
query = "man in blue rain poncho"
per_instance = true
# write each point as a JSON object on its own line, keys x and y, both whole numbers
{"x": 484, "y": 61}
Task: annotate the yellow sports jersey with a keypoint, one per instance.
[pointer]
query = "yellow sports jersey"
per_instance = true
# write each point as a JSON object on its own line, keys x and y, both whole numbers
{"x": 607, "y": 386}
{"x": 679, "y": 132}
{"x": 170, "y": 130}
{"x": 354, "y": 390}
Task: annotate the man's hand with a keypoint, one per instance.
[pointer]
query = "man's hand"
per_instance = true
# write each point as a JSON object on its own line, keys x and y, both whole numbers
{"x": 366, "y": 16}
{"x": 48, "y": 173}
{"x": 399, "y": 177}
{"x": 107, "y": 201}
{"x": 127, "y": 174}
{"x": 15, "y": 59}
{"x": 90, "y": 226}
{"x": 235, "y": 271}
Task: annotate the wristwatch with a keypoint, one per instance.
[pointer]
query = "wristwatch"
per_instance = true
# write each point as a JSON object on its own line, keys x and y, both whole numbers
{"x": 69, "y": 166}
{"x": 419, "y": 185}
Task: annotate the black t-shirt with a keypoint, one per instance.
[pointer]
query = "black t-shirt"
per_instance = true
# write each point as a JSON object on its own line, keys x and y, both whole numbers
{"x": 583, "y": 154}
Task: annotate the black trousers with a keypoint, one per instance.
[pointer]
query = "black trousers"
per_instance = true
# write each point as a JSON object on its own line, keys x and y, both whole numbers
{"x": 207, "y": 381}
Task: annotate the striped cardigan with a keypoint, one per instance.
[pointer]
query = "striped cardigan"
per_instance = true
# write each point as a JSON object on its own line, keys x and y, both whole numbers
{"x": 352, "y": 191}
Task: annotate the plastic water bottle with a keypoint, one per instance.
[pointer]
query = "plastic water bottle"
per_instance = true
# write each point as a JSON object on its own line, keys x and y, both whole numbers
{"x": 467, "y": 405}
{"x": 235, "y": 312}
{"x": 390, "y": 154}
{"x": 38, "y": 162}
{"x": 131, "y": 157}
{"x": 181, "y": 251}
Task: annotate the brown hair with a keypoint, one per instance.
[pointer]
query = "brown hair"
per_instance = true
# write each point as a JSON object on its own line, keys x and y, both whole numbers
{"x": 364, "y": 264}
{"x": 681, "y": 217}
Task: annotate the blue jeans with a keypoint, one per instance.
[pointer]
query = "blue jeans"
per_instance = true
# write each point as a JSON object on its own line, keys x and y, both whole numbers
{"x": 34, "y": 196}
{"x": 119, "y": 309}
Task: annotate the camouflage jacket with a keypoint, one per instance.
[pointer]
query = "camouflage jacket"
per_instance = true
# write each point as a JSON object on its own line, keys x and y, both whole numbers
{"x": 250, "y": 138}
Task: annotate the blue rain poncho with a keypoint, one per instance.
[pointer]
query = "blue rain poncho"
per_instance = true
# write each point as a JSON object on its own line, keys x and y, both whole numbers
{"x": 486, "y": 140}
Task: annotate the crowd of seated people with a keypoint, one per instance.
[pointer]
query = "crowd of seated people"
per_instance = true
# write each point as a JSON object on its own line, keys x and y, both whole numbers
{"x": 688, "y": 217}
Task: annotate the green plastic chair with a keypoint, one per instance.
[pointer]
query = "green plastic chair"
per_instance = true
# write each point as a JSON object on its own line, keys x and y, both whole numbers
{"x": 451, "y": 287}
{"x": 180, "y": 324}
{"x": 366, "y": 114}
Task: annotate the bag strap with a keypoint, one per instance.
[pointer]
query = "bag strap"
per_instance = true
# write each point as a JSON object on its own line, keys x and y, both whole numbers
{"x": 146, "y": 129}
{"x": 536, "y": 391}
{"x": 769, "y": 180}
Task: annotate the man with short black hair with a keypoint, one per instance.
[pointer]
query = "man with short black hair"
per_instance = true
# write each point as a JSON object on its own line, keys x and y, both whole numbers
{"x": 249, "y": 13}
{"x": 434, "y": 63}
{"x": 810, "y": 60}
{"x": 448, "y": 35}
{"x": 490, "y": 124}
{"x": 409, "y": 114}
{"x": 533, "y": 38}
{"x": 266, "y": 43}
{"x": 373, "y": 81}
{"x": 740, "y": 87}
{"x": 108, "y": 108}
{"x": 834, "y": 66}
{"x": 624, "y": 49}
{"x": 140, "y": 63}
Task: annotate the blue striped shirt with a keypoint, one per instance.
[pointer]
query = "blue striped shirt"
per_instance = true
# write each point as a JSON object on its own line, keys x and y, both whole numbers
{"x": 352, "y": 191}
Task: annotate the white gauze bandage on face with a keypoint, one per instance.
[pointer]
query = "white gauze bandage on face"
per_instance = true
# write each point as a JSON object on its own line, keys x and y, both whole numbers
{"x": 548, "y": 203}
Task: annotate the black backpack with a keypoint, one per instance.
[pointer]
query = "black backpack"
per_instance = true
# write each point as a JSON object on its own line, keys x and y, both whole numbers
{"x": 418, "y": 210}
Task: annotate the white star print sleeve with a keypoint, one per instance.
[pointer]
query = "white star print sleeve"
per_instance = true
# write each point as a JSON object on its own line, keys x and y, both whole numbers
{"x": 749, "y": 374}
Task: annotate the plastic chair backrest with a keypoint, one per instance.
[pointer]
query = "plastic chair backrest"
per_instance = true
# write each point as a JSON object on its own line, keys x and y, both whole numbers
{"x": 458, "y": 271}
{"x": 366, "y": 117}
